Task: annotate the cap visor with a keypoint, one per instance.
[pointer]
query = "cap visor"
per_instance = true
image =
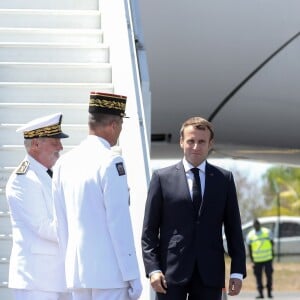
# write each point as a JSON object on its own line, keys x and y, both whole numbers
{"x": 60, "y": 136}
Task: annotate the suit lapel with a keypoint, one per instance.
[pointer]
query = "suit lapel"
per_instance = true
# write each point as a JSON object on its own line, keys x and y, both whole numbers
{"x": 209, "y": 181}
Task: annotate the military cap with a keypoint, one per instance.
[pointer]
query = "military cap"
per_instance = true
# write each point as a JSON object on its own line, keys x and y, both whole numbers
{"x": 107, "y": 104}
{"x": 47, "y": 126}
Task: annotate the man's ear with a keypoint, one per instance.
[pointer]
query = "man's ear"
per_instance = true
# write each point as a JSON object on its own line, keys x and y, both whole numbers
{"x": 211, "y": 144}
{"x": 114, "y": 124}
{"x": 34, "y": 146}
{"x": 34, "y": 143}
{"x": 181, "y": 143}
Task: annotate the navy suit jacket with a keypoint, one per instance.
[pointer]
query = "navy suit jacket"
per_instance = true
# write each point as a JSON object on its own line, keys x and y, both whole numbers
{"x": 175, "y": 238}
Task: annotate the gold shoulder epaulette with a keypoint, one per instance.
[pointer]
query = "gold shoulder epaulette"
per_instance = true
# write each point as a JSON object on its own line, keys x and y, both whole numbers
{"x": 23, "y": 167}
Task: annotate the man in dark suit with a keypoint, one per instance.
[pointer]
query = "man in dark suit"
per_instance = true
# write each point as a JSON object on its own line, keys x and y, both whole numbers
{"x": 182, "y": 232}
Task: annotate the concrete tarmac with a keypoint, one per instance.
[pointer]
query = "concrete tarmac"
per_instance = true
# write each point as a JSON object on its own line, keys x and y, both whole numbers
{"x": 276, "y": 296}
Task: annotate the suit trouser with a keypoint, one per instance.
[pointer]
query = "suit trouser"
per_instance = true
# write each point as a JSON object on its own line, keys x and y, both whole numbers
{"x": 101, "y": 294}
{"x": 258, "y": 272}
{"x": 20, "y": 294}
{"x": 192, "y": 290}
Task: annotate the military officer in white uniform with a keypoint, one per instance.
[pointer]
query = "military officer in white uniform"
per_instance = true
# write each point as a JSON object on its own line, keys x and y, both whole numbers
{"x": 91, "y": 198}
{"x": 36, "y": 270}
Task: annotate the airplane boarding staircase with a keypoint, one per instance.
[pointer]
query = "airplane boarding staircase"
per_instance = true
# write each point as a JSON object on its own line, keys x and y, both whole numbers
{"x": 52, "y": 54}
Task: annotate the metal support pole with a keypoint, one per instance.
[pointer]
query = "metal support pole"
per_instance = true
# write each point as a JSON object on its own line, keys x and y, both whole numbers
{"x": 279, "y": 226}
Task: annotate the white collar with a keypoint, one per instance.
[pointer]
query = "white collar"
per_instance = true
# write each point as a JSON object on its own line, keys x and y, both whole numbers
{"x": 188, "y": 166}
{"x": 99, "y": 138}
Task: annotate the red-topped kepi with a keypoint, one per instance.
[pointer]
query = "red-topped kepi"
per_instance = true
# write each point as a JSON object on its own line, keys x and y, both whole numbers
{"x": 106, "y": 103}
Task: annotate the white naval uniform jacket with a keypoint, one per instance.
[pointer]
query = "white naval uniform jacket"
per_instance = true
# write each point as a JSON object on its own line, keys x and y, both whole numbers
{"x": 35, "y": 261}
{"x": 91, "y": 198}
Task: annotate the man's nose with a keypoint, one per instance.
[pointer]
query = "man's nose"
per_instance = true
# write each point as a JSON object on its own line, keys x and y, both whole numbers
{"x": 60, "y": 146}
{"x": 196, "y": 145}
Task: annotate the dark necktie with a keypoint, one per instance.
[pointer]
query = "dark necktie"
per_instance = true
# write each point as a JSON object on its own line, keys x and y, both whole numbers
{"x": 196, "y": 190}
{"x": 50, "y": 172}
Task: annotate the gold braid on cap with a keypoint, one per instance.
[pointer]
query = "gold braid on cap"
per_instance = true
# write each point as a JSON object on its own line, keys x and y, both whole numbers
{"x": 107, "y": 104}
{"x": 43, "y": 132}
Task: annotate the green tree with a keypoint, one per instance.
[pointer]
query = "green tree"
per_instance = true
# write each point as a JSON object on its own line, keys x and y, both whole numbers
{"x": 282, "y": 191}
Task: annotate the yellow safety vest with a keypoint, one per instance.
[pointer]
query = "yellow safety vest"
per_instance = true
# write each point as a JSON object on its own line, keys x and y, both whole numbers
{"x": 261, "y": 245}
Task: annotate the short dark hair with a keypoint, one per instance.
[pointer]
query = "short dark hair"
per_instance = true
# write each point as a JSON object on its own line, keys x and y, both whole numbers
{"x": 199, "y": 123}
{"x": 101, "y": 119}
{"x": 256, "y": 222}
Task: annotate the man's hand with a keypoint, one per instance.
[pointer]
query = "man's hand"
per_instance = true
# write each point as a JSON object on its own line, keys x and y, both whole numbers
{"x": 235, "y": 286}
{"x": 158, "y": 282}
{"x": 135, "y": 289}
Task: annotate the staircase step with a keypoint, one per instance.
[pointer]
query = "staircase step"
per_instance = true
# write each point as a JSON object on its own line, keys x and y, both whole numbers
{"x": 50, "y": 35}
{"x": 5, "y": 245}
{"x": 4, "y": 267}
{"x": 5, "y": 224}
{"x": 24, "y": 18}
{"x": 4, "y": 260}
{"x": 3, "y": 202}
{"x": 50, "y": 92}
{"x": 3, "y": 287}
{"x": 21, "y": 115}
{"x": 55, "y": 72}
{"x": 12, "y": 115}
{"x": 54, "y": 52}
{"x": 53, "y": 4}
{"x": 14, "y": 154}
{"x": 13, "y": 151}
{"x": 5, "y": 292}
{"x": 5, "y": 173}
{"x": 17, "y": 154}
{"x": 4, "y": 214}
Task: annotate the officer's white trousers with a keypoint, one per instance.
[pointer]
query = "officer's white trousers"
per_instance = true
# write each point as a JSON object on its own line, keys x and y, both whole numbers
{"x": 20, "y": 294}
{"x": 101, "y": 294}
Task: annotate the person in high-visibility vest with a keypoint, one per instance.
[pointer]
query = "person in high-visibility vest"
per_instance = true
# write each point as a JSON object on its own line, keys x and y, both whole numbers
{"x": 260, "y": 245}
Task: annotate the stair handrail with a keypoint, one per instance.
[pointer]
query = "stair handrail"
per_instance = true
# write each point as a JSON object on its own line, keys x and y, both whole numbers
{"x": 142, "y": 80}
